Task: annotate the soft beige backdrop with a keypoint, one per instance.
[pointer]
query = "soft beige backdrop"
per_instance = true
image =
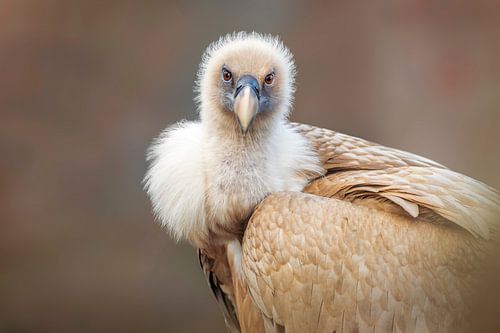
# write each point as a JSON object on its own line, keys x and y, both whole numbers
{"x": 86, "y": 85}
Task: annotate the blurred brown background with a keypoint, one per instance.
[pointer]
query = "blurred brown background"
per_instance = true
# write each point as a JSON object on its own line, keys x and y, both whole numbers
{"x": 86, "y": 85}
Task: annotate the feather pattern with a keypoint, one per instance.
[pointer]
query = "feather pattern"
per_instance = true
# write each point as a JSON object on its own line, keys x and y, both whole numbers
{"x": 384, "y": 241}
{"x": 318, "y": 264}
{"x": 358, "y": 170}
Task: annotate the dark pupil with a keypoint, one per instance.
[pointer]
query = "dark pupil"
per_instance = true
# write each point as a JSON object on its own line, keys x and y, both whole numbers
{"x": 227, "y": 76}
{"x": 269, "y": 79}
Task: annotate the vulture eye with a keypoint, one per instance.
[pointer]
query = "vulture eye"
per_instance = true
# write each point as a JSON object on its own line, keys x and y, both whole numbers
{"x": 269, "y": 79}
{"x": 226, "y": 75}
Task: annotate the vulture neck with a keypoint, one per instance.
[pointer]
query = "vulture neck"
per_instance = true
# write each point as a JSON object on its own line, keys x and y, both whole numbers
{"x": 224, "y": 127}
{"x": 241, "y": 170}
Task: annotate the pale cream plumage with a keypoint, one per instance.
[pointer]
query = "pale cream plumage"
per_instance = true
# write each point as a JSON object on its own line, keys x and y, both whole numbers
{"x": 347, "y": 235}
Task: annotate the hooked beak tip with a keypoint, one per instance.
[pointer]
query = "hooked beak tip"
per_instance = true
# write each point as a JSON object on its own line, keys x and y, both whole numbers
{"x": 244, "y": 129}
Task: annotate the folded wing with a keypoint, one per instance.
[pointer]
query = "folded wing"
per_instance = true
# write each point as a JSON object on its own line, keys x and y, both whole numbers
{"x": 316, "y": 264}
{"x": 384, "y": 241}
{"x": 392, "y": 180}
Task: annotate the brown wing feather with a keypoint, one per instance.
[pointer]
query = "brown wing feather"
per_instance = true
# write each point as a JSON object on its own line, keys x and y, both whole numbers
{"x": 366, "y": 173}
{"x": 249, "y": 316}
{"x": 341, "y": 152}
{"x": 430, "y": 193}
{"x": 320, "y": 265}
{"x": 222, "y": 297}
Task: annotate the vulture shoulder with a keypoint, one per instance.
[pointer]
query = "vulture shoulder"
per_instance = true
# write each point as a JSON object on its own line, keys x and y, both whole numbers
{"x": 384, "y": 241}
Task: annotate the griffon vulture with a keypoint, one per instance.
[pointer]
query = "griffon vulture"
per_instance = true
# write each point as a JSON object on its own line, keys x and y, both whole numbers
{"x": 302, "y": 229}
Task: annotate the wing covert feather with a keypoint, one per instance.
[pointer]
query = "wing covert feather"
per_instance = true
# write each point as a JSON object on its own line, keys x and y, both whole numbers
{"x": 318, "y": 264}
{"x": 430, "y": 193}
{"x": 341, "y": 152}
{"x": 393, "y": 180}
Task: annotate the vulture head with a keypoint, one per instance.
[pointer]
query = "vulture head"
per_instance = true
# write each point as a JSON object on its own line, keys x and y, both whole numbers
{"x": 245, "y": 83}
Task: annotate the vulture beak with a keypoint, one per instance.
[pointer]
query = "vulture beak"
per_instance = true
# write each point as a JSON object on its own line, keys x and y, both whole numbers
{"x": 246, "y": 101}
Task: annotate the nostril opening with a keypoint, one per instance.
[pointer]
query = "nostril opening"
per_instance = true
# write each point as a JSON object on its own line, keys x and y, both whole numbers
{"x": 257, "y": 91}
{"x": 238, "y": 89}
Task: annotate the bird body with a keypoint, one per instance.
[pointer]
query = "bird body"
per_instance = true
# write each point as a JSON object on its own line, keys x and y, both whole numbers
{"x": 302, "y": 229}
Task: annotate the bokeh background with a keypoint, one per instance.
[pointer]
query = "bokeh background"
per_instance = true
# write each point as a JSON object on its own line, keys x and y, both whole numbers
{"x": 86, "y": 85}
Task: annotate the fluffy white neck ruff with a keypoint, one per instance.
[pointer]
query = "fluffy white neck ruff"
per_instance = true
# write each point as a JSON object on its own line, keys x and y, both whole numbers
{"x": 202, "y": 185}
